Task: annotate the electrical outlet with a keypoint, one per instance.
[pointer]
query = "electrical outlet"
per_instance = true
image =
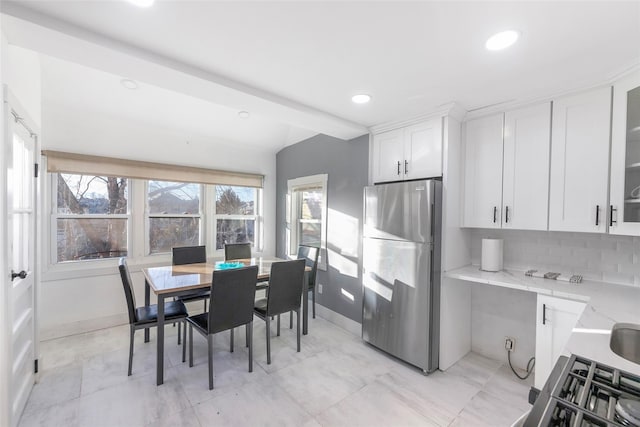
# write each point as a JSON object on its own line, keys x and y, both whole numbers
{"x": 509, "y": 343}
{"x": 319, "y": 288}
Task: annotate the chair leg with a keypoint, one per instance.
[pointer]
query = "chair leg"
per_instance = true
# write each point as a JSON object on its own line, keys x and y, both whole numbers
{"x": 231, "y": 340}
{"x": 246, "y": 334}
{"x": 313, "y": 301}
{"x": 178, "y": 334}
{"x": 190, "y": 346}
{"x": 291, "y": 320}
{"x": 250, "y": 342}
{"x": 298, "y": 319}
{"x": 268, "y": 340}
{"x": 278, "y": 328}
{"x": 131, "y": 333}
{"x": 205, "y": 305}
{"x": 210, "y": 357}
{"x": 184, "y": 340}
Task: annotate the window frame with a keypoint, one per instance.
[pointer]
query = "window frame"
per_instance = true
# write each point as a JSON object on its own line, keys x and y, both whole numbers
{"x": 256, "y": 217}
{"x": 148, "y": 215}
{"x": 136, "y": 234}
{"x": 294, "y": 186}
{"x": 55, "y": 216}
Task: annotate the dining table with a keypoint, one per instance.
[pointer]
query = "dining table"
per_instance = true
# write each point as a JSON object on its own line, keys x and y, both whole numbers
{"x": 169, "y": 281}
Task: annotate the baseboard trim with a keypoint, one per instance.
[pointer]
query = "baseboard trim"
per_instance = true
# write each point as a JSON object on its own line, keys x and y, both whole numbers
{"x": 338, "y": 319}
{"x": 80, "y": 327}
{"x": 89, "y": 325}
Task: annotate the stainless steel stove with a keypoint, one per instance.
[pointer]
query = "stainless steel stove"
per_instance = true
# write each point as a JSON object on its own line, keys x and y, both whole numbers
{"x": 581, "y": 392}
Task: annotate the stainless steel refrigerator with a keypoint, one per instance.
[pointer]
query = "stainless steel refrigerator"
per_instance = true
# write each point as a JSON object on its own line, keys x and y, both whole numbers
{"x": 401, "y": 270}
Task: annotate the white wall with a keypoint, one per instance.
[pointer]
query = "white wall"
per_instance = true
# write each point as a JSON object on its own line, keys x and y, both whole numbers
{"x": 72, "y": 301}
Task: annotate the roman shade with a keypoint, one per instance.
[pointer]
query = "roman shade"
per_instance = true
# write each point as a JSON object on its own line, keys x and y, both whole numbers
{"x": 61, "y": 162}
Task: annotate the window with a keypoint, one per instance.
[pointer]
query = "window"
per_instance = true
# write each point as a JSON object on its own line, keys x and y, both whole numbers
{"x": 90, "y": 217}
{"x": 174, "y": 216}
{"x": 236, "y": 215}
{"x": 307, "y": 213}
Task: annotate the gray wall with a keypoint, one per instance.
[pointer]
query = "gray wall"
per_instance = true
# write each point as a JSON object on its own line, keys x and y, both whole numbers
{"x": 346, "y": 163}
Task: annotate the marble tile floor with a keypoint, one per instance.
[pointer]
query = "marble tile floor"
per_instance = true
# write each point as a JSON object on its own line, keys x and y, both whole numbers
{"x": 336, "y": 380}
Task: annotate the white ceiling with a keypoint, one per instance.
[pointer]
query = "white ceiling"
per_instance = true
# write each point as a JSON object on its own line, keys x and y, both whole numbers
{"x": 295, "y": 65}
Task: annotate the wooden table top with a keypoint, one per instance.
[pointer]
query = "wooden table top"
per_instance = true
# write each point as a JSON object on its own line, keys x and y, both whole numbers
{"x": 172, "y": 278}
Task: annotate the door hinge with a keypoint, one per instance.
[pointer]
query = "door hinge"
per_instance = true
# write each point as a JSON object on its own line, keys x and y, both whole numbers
{"x": 36, "y": 170}
{"x": 35, "y": 366}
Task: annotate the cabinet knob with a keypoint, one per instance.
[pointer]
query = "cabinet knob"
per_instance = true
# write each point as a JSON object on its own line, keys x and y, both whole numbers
{"x": 597, "y": 215}
{"x": 406, "y": 167}
{"x": 398, "y": 167}
{"x": 544, "y": 314}
{"x": 506, "y": 214}
{"x": 495, "y": 214}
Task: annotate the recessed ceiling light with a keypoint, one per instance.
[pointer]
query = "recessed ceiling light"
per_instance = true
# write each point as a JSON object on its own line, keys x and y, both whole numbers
{"x": 502, "y": 40}
{"x": 243, "y": 114}
{"x": 142, "y": 3}
{"x": 361, "y": 98}
{"x": 129, "y": 84}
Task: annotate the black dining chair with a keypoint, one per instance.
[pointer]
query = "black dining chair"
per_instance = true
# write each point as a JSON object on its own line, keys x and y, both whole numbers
{"x": 310, "y": 256}
{"x": 284, "y": 294}
{"x": 232, "y": 296}
{"x": 147, "y": 317}
{"x": 191, "y": 255}
{"x": 237, "y": 251}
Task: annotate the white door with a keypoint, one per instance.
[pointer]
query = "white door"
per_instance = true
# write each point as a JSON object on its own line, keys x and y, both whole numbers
{"x": 580, "y": 162}
{"x": 556, "y": 318}
{"x": 483, "y": 172}
{"x": 423, "y": 150}
{"x": 625, "y": 157}
{"x": 19, "y": 286}
{"x": 525, "y": 185}
{"x": 388, "y": 157}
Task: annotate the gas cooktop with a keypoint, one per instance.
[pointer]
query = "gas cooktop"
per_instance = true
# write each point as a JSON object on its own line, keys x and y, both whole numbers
{"x": 581, "y": 392}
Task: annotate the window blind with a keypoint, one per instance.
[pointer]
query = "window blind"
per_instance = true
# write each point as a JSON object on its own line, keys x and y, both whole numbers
{"x": 61, "y": 162}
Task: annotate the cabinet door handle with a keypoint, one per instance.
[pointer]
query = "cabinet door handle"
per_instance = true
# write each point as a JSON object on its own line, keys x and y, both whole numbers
{"x": 406, "y": 167}
{"x": 544, "y": 314}
{"x": 597, "y": 215}
{"x": 398, "y": 167}
{"x": 611, "y": 211}
{"x": 506, "y": 214}
{"x": 495, "y": 214}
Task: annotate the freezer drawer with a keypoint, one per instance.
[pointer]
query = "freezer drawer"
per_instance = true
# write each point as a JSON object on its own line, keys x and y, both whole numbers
{"x": 397, "y": 299}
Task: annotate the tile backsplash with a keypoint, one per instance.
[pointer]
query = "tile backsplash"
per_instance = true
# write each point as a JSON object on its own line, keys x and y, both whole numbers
{"x": 601, "y": 257}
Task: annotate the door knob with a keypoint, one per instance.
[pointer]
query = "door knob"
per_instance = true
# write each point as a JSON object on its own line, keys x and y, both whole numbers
{"x": 22, "y": 275}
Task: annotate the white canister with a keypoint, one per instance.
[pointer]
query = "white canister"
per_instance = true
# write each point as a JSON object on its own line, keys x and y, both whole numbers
{"x": 491, "y": 254}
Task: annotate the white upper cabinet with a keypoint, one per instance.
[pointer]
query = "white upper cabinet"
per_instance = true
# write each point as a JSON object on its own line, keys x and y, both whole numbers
{"x": 624, "y": 209}
{"x": 580, "y": 162}
{"x": 412, "y": 152}
{"x": 525, "y": 182}
{"x": 482, "y": 151}
{"x": 388, "y": 156}
{"x": 423, "y": 150}
{"x": 506, "y": 167}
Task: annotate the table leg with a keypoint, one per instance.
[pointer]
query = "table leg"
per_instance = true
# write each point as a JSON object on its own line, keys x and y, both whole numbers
{"x": 147, "y": 302}
{"x": 160, "y": 333}
{"x": 305, "y": 304}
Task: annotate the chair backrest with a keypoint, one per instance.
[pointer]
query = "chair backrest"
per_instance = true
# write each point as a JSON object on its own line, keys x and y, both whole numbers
{"x": 188, "y": 255}
{"x": 310, "y": 256}
{"x": 237, "y": 251}
{"x": 285, "y": 286}
{"x": 129, "y": 294}
{"x": 233, "y": 293}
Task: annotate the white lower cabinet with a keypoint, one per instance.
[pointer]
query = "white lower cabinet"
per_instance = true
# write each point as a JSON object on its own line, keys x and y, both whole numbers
{"x": 556, "y": 318}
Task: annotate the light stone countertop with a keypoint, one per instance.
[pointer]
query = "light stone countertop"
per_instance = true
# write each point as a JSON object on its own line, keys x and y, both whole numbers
{"x": 607, "y": 304}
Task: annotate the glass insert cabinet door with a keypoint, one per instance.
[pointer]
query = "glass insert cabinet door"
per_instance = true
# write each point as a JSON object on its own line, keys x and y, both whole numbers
{"x": 625, "y": 157}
